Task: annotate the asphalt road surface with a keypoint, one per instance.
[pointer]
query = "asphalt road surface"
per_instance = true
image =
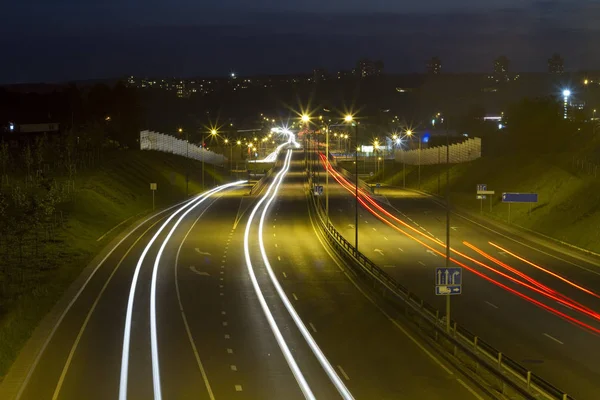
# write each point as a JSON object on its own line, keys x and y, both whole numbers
{"x": 554, "y": 339}
{"x": 176, "y": 311}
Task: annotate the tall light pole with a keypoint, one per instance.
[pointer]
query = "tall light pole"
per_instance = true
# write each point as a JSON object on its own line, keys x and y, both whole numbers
{"x": 350, "y": 119}
{"x": 213, "y": 132}
{"x": 187, "y": 156}
{"x": 447, "y": 219}
{"x": 566, "y": 94}
{"x": 410, "y": 133}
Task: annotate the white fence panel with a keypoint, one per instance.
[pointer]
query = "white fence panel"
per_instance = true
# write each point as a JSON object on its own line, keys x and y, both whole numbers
{"x": 468, "y": 150}
{"x": 150, "y": 140}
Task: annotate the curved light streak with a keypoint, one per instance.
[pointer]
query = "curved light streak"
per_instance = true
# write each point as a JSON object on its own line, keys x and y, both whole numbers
{"x": 153, "y": 327}
{"x": 306, "y": 390}
{"x": 131, "y": 298}
{"x": 333, "y": 376}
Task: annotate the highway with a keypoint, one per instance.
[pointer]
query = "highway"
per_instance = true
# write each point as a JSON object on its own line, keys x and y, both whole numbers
{"x": 228, "y": 296}
{"x": 531, "y": 301}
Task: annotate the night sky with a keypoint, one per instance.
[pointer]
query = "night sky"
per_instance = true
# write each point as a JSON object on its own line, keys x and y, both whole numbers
{"x": 84, "y": 39}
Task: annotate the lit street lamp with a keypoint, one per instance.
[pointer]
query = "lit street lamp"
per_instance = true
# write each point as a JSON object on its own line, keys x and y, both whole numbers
{"x": 350, "y": 119}
{"x": 410, "y": 133}
{"x": 213, "y": 132}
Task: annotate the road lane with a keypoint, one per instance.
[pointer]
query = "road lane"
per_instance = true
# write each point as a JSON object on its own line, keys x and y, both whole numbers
{"x": 516, "y": 327}
{"x": 374, "y": 358}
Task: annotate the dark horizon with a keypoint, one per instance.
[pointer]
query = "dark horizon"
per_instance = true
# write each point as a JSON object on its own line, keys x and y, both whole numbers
{"x": 282, "y": 42}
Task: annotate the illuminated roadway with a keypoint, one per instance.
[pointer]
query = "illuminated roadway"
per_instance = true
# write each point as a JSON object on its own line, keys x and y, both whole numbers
{"x": 563, "y": 352}
{"x": 190, "y": 323}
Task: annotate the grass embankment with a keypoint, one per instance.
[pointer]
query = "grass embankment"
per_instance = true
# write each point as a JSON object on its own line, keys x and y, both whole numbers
{"x": 115, "y": 191}
{"x": 569, "y": 194}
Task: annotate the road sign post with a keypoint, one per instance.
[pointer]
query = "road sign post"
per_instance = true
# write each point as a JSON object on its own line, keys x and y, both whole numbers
{"x": 482, "y": 192}
{"x": 448, "y": 281}
{"x": 153, "y": 189}
{"x": 519, "y": 198}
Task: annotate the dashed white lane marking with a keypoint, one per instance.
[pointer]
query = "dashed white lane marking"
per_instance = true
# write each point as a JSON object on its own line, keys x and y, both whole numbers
{"x": 553, "y": 338}
{"x": 344, "y": 374}
{"x": 221, "y": 286}
{"x": 294, "y": 296}
{"x": 274, "y": 235}
{"x": 385, "y": 237}
{"x": 312, "y": 327}
{"x": 454, "y": 228}
{"x": 491, "y": 305}
{"x": 422, "y": 263}
{"x": 224, "y": 323}
{"x": 432, "y": 253}
{"x": 275, "y": 244}
{"x": 422, "y": 227}
{"x": 284, "y": 275}
{"x": 238, "y": 388}
{"x": 366, "y": 222}
{"x": 273, "y": 226}
{"x": 279, "y": 258}
{"x": 400, "y": 249}
{"x": 222, "y": 266}
{"x": 229, "y": 351}
{"x": 375, "y": 229}
{"x": 233, "y": 367}
{"x": 379, "y": 251}
{"x": 222, "y": 272}
{"x": 227, "y": 336}
{"x": 221, "y": 294}
{"x": 223, "y": 313}
{"x": 220, "y": 279}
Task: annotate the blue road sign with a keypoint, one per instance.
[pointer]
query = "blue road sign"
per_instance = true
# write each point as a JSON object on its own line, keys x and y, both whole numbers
{"x": 482, "y": 187}
{"x": 378, "y": 185}
{"x": 448, "y": 289}
{"x": 318, "y": 190}
{"x": 519, "y": 197}
{"x": 448, "y": 281}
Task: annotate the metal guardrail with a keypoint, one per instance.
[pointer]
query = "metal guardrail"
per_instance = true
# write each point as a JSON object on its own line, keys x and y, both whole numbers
{"x": 501, "y": 372}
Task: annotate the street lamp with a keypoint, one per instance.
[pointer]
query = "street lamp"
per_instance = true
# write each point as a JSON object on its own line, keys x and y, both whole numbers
{"x": 213, "y": 132}
{"x": 187, "y": 155}
{"x": 410, "y": 133}
{"x": 350, "y": 119}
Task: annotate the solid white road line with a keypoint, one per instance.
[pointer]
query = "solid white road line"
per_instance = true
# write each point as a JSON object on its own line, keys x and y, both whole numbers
{"x": 113, "y": 228}
{"x": 81, "y": 289}
{"x": 553, "y": 338}
{"x": 183, "y": 315}
{"x": 312, "y": 327}
{"x": 473, "y": 392}
{"x": 90, "y": 312}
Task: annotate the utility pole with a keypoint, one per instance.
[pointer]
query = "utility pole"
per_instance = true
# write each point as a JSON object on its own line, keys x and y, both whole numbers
{"x": 356, "y": 188}
{"x": 447, "y": 220}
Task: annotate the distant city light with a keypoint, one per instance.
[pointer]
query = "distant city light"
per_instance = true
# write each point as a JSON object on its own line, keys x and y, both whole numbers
{"x": 500, "y": 126}
{"x": 233, "y": 76}
{"x": 433, "y": 122}
{"x": 566, "y": 93}
{"x": 348, "y": 118}
{"x": 11, "y": 127}
{"x": 305, "y": 118}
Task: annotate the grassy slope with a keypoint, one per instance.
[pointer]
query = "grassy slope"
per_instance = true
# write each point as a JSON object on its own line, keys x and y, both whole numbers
{"x": 569, "y": 199}
{"x": 105, "y": 197}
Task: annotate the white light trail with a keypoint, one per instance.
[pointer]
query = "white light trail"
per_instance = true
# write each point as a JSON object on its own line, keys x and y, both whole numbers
{"x": 153, "y": 327}
{"x": 333, "y": 376}
{"x": 261, "y": 298}
{"x": 130, "y": 301}
{"x": 272, "y": 157}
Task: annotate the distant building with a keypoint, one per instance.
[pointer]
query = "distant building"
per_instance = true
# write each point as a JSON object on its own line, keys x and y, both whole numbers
{"x": 434, "y": 66}
{"x": 366, "y": 68}
{"x": 556, "y": 64}
{"x": 501, "y": 66}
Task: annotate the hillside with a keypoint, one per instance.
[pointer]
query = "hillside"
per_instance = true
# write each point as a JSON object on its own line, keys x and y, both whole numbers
{"x": 115, "y": 191}
{"x": 569, "y": 191}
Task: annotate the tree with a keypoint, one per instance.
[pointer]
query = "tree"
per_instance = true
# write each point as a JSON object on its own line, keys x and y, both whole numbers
{"x": 39, "y": 151}
{"x": 27, "y": 159}
{"x": 4, "y": 160}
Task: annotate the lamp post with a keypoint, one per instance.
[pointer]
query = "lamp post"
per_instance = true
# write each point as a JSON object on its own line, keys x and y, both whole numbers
{"x": 187, "y": 155}
{"x": 410, "y": 133}
{"x": 566, "y": 94}
{"x": 213, "y": 132}
{"x": 350, "y": 119}
{"x": 447, "y": 219}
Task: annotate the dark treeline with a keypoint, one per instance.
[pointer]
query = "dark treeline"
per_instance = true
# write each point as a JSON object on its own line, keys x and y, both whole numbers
{"x": 39, "y": 171}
